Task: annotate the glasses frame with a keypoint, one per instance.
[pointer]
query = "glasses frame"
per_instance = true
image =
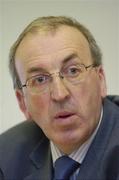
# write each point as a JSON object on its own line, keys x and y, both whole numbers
{"x": 60, "y": 74}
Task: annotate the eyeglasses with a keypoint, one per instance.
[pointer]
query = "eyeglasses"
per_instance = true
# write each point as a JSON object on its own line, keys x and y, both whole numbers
{"x": 73, "y": 74}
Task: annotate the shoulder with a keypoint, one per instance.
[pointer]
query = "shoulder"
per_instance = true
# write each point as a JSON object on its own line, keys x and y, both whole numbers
{"x": 111, "y": 105}
{"x": 22, "y": 131}
{"x": 24, "y": 135}
{"x": 114, "y": 99}
{"x": 110, "y": 122}
{"x": 16, "y": 147}
{"x": 111, "y": 113}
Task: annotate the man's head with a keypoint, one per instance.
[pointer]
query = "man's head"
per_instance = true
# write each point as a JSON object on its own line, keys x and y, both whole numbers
{"x": 51, "y": 24}
{"x": 59, "y": 79}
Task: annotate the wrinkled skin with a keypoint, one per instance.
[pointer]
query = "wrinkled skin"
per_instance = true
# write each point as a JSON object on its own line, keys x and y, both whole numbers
{"x": 68, "y": 114}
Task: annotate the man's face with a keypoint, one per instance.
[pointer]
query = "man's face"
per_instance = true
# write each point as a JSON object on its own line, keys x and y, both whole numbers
{"x": 68, "y": 113}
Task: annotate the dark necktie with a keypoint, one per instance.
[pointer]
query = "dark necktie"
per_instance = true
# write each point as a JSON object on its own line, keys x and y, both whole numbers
{"x": 64, "y": 168}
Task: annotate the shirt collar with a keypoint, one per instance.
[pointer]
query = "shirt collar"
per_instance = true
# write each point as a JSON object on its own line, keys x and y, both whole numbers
{"x": 80, "y": 153}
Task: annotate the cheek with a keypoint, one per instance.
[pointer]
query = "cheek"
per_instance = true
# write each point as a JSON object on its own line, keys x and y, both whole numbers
{"x": 38, "y": 106}
{"x": 88, "y": 98}
{"x": 91, "y": 89}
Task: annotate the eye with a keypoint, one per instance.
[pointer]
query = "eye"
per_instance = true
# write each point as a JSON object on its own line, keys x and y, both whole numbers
{"x": 73, "y": 71}
{"x": 40, "y": 80}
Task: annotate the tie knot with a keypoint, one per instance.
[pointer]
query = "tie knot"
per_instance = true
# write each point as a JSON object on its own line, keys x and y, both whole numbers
{"x": 64, "y": 168}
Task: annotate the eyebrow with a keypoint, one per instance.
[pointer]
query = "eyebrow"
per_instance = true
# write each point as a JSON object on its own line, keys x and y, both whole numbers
{"x": 66, "y": 60}
{"x": 69, "y": 58}
{"x": 35, "y": 69}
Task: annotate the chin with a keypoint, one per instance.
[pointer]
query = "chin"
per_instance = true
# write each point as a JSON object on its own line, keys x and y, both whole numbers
{"x": 68, "y": 139}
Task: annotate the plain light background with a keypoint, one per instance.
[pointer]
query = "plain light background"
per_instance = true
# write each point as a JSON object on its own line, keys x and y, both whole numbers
{"x": 100, "y": 16}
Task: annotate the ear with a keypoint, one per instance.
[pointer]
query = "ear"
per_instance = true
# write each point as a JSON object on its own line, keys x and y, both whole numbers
{"x": 21, "y": 101}
{"x": 102, "y": 81}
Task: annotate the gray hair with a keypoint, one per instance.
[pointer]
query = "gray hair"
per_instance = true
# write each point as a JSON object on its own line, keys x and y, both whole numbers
{"x": 51, "y": 24}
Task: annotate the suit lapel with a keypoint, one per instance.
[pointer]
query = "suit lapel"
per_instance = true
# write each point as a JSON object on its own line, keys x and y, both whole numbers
{"x": 41, "y": 167}
{"x": 90, "y": 168}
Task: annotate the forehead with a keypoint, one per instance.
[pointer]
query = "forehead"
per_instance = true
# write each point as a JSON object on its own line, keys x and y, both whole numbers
{"x": 49, "y": 47}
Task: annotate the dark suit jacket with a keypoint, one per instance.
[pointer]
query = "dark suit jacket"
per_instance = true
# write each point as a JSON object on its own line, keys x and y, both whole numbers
{"x": 25, "y": 152}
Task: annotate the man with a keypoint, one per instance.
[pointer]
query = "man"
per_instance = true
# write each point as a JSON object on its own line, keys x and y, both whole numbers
{"x": 59, "y": 81}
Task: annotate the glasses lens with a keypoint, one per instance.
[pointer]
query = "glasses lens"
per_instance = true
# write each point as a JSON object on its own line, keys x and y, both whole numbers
{"x": 75, "y": 73}
{"x": 38, "y": 84}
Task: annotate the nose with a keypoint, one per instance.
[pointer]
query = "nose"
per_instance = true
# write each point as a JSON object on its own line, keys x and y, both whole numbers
{"x": 59, "y": 91}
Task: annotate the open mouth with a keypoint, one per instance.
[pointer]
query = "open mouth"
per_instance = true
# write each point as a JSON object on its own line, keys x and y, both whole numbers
{"x": 64, "y": 115}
